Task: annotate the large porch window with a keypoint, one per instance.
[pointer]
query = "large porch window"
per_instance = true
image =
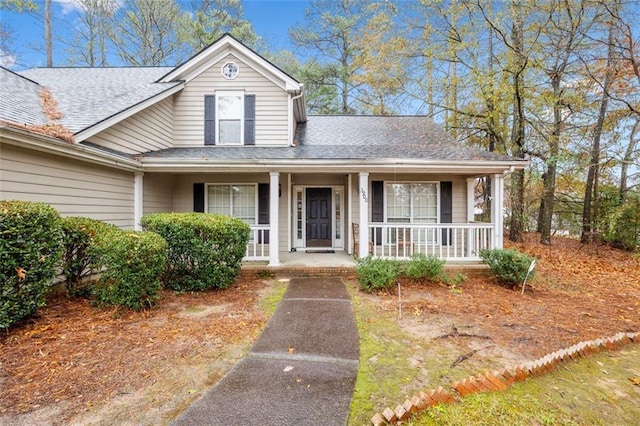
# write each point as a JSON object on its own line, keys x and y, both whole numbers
{"x": 412, "y": 203}
{"x": 239, "y": 201}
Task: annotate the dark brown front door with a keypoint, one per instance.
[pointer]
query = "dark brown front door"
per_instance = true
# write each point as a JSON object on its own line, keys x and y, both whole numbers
{"x": 318, "y": 217}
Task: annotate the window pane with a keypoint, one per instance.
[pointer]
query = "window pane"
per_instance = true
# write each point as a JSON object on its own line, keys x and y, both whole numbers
{"x": 398, "y": 202}
{"x": 219, "y": 200}
{"x": 229, "y": 132}
{"x": 230, "y": 107}
{"x": 244, "y": 203}
{"x": 425, "y": 206}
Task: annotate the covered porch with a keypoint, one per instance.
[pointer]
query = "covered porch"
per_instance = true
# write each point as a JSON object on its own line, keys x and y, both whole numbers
{"x": 386, "y": 237}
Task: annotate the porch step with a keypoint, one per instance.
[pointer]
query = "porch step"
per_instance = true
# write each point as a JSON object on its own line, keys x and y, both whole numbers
{"x": 300, "y": 271}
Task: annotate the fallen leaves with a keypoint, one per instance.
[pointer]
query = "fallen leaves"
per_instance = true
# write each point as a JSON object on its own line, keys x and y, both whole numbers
{"x": 75, "y": 353}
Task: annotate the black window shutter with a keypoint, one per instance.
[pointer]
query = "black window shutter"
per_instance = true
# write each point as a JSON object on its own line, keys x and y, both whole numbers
{"x": 249, "y": 119}
{"x": 377, "y": 206}
{"x": 446, "y": 210}
{"x": 263, "y": 208}
{"x": 210, "y": 119}
{"x": 198, "y": 197}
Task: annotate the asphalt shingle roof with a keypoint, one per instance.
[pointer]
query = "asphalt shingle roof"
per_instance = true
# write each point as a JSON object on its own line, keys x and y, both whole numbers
{"x": 350, "y": 138}
{"x": 20, "y": 99}
{"x": 87, "y": 96}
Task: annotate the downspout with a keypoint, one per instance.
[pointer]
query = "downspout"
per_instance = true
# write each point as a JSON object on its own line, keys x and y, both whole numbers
{"x": 292, "y": 118}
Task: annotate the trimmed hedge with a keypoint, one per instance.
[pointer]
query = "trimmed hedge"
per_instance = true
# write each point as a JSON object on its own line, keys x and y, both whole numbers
{"x": 30, "y": 252}
{"x": 205, "y": 250}
{"x": 79, "y": 259}
{"x": 509, "y": 266}
{"x": 134, "y": 264}
{"x": 381, "y": 274}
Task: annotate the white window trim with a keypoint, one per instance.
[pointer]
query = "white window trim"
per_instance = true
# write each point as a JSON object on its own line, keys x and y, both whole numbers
{"x": 219, "y": 94}
{"x": 256, "y": 207}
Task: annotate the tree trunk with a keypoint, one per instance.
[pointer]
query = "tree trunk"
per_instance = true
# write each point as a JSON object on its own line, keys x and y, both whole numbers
{"x": 589, "y": 216}
{"x": 628, "y": 160}
{"x": 47, "y": 33}
{"x": 516, "y": 225}
{"x": 549, "y": 182}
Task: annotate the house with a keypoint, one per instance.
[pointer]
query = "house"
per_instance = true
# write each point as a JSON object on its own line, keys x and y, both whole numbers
{"x": 227, "y": 132}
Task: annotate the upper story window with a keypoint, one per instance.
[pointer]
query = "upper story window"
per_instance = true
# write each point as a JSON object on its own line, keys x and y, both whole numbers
{"x": 229, "y": 114}
{"x": 229, "y": 118}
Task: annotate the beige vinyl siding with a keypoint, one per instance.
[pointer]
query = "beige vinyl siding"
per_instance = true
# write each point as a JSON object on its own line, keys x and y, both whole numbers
{"x": 158, "y": 193}
{"x": 149, "y": 130}
{"x": 272, "y": 104}
{"x": 72, "y": 187}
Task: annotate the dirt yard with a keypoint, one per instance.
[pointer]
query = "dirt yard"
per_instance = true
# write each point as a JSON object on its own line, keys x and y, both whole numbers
{"x": 76, "y": 364}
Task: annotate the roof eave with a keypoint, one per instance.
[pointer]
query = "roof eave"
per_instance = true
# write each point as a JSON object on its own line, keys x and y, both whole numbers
{"x": 335, "y": 165}
{"x": 48, "y": 144}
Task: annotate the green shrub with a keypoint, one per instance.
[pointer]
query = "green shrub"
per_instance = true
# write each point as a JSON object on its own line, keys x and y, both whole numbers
{"x": 620, "y": 222}
{"x": 423, "y": 267}
{"x": 205, "y": 250}
{"x": 134, "y": 263}
{"x": 30, "y": 251}
{"x": 79, "y": 257}
{"x": 377, "y": 273}
{"x": 509, "y": 266}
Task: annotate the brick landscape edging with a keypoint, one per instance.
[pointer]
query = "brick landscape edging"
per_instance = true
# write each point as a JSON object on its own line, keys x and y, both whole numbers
{"x": 490, "y": 381}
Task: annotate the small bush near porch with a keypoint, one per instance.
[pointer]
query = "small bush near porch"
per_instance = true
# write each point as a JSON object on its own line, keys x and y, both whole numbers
{"x": 380, "y": 274}
{"x": 509, "y": 266}
{"x": 205, "y": 250}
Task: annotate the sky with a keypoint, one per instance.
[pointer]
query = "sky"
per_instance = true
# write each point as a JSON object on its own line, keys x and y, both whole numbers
{"x": 271, "y": 20}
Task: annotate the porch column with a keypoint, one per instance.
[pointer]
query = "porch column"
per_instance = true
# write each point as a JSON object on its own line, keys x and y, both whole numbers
{"x": 138, "y": 199}
{"x": 349, "y": 215}
{"x": 471, "y": 203}
{"x": 364, "y": 215}
{"x": 274, "y": 249}
{"x": 497, "y": 197}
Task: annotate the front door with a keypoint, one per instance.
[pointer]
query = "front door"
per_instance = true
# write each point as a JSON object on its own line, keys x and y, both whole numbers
{"x": 319, "y": 217}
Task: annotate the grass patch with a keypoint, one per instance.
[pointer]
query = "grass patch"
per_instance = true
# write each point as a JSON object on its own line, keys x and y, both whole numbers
{"x": 274, "y": 294}
{"x": 393, "y": 364}
{"x": 594, "y": 391}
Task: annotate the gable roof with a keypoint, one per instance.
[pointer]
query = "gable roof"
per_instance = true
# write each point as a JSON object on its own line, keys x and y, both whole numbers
{"x": 20, "y": 99}
{"x": 383, "y": 140}
{"x": 90, "y": 96}
{"x": 220, "y": 48}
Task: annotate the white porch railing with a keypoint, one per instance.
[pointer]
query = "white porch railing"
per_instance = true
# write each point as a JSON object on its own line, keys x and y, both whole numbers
{"x": 451, "y": 241}
{"x": 258, "y": 247}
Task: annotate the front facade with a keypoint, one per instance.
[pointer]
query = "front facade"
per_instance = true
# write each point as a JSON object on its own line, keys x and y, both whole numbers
{"x": 227, "y": 132}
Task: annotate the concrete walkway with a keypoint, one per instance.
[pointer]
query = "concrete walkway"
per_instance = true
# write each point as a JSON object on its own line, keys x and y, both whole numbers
{"x": 301, "y": 371}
